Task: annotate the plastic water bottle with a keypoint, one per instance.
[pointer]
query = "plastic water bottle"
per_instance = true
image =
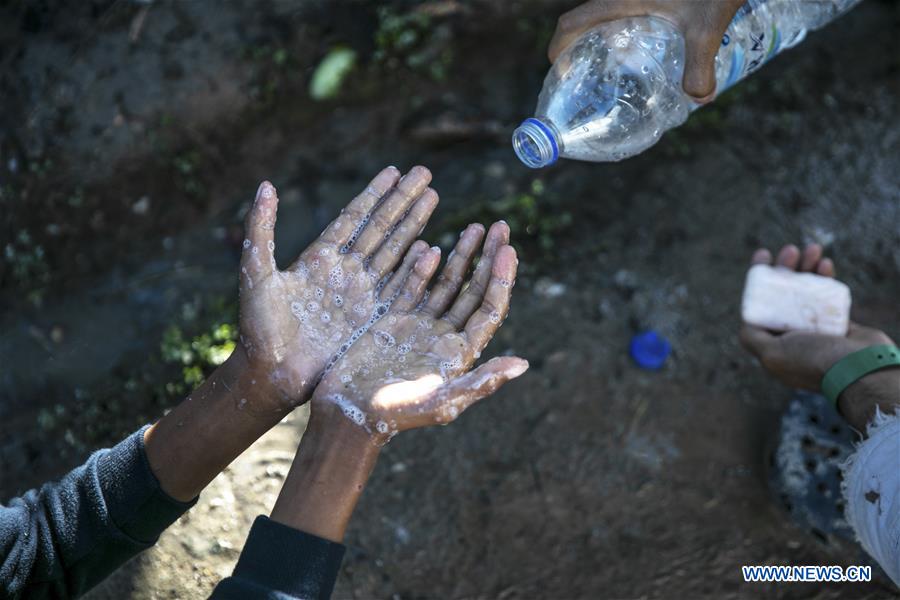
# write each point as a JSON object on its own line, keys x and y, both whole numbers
{"x": 613, "y": 93}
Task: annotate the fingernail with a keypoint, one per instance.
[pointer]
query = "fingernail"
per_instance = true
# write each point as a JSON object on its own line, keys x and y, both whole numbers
{"x": 265, "y": 190}
{"x": 518, "y": 369}
{"x": 436, "y": 249}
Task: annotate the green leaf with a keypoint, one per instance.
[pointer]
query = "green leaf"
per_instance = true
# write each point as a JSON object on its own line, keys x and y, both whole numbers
{"x": 329, "y": 76}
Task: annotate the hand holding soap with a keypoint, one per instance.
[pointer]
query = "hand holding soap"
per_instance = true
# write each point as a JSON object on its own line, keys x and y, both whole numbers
{"x": 780, "y": 299}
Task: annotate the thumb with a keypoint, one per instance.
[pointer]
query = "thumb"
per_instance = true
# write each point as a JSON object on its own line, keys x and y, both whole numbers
{"x": 703, "y": 34}
{"x": 452, "y": 398}
{"x": 258, "y": 258}
{"x": 757, "y": 340}
{"x": 701, "y": 48}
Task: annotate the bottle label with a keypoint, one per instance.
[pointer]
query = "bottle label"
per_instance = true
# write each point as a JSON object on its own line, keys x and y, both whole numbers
{"x": 762, "y": 49}
{"x": 750, "y": 55}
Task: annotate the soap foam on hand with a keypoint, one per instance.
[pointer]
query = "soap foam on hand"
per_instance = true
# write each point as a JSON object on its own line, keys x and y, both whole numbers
{"x": 780, "y": 299}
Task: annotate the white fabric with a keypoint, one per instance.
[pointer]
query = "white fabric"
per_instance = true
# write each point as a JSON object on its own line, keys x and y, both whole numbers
{"x": 872, "y": 492}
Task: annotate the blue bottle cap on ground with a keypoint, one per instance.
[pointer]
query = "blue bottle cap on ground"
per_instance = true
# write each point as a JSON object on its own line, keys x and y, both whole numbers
{"x": 649, "y": 350}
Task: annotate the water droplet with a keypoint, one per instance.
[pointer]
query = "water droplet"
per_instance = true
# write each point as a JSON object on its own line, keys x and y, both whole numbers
{"x": 383, "y": 339}
{"x": 336, "y": 277}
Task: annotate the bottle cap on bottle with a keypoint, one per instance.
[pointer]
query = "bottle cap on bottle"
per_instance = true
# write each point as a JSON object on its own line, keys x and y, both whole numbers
{"x": 649, "y": 350}
{"x": 535, "y": 144}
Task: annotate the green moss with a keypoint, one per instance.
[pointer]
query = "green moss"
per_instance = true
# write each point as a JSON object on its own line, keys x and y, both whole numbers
{"x": 187, "y": 172}
{"x": 198, "y": 355}
{"x": 534, "y": 217}
{"x": 413, "y": 41}
{"x": 26, "y": 262}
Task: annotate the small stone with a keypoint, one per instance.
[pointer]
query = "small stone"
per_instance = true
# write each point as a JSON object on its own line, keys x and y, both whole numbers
{"x": 142, "y": 206}
{"x": 549, "y": 289}
{"x": 625, "y": 279}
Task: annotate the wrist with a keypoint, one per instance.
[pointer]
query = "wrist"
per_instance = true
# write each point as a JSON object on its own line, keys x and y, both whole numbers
{"x": 191, "y": 444}
{"x": 277, "y": 387}
{"x": 329, "y": 473}
{"x": 878, "y": 390}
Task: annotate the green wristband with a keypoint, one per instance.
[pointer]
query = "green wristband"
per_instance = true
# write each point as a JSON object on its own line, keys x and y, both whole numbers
{"x": 856, "y": 365}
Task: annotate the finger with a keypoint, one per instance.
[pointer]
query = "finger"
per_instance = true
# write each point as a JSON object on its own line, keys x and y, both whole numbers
{"x": 415, "y": 285}
{"x": 471, "y": 296}
{"x": 761, "y": 257}
{"x": 704, "y": 29}
{"x": 482, "y": 325}
{"x": 342, "y": 230}
{"x": 257, "y": 258}
{"x": 451, "y": 278}
{"x": 757, "y": 341}
{"x": 398, "y": 201}
{"x": 392, "y": 251}
{"x": 573, "y": 24}
{"x": 788, "y": 257}
{"x": 396, "y": 281}
{"x": 811, "y": 256}
{"x": 855, "y": 330}
{"x": 701, "y": 47}
{"x": 826, "y": 268}
{"x": 451, "y": 399}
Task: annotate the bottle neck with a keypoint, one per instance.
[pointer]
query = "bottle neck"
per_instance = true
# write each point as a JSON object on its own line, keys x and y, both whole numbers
{"x": 536, "y": 144}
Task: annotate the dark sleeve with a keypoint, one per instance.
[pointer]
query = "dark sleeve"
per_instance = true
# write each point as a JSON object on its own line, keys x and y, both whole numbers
{"x": 63, "y": 539}
{"x": 282, "y": 563}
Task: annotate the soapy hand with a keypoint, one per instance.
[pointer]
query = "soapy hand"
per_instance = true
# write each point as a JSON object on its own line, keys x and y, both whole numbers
{"x": 411, "y": 368}
{"x": 294, "y": 321}
{"x": 800, "y": 359}
{"x": 703, "y": 22}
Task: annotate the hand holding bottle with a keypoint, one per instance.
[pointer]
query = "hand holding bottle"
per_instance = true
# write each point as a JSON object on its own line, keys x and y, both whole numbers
{"x": 703, "y": 22}
{"x": 626, "y": 72}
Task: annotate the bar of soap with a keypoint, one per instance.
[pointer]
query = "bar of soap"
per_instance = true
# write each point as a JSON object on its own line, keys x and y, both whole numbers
{"x": 780, "y": 299}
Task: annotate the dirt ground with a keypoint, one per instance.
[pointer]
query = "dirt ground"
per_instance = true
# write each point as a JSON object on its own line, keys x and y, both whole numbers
{"x": 133, "y": 135}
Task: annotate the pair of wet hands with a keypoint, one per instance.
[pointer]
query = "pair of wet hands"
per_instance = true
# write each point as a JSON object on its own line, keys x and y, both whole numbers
{"x": 355, "y": 321}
